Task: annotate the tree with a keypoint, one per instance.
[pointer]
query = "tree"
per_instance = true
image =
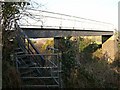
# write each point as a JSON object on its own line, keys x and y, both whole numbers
{"x": 68, "y": 49}
{"x": 10, "y": 12}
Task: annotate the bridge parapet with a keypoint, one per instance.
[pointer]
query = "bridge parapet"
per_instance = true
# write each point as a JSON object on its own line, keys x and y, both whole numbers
{"x": 40, "y": 24}
{"x": 46, "y": 19}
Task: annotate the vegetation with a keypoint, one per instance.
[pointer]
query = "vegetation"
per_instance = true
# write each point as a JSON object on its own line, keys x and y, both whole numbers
{"x": 83, "y": 64}
{"x": 9, "y": 14}
{"x": 44, "y": 47}
{"x": 68, "y": 50}
{"x": 92, "y": 72}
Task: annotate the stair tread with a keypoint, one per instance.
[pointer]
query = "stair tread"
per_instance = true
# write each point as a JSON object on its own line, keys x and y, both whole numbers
{"x": 38, "y": 77}
{"x": 56, "y": 71}
{"x": 37, "y": 67}
{"x": 30, "y": 71}
{"x": 32, "y": 77}
{"x": 17, "y": 49}
{"x": 20, "y": 53}
{"x": 27, "y": 66}
{"x": 40, "y": 85}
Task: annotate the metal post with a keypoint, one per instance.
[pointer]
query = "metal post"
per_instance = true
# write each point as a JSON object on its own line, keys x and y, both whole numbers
{"x": 12, "y": 58}
{"x": 28, "y": 45}
{"x": 16, "y": 61}
{"x": 60, "y": 64}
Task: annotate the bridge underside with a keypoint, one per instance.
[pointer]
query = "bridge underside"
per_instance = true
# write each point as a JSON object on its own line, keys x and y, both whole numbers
{"x": 108, "y": 39}
{"x": 49, "y": 32}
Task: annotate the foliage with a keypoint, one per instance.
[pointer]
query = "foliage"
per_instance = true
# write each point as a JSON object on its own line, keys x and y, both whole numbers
{"x": 10, "y": 12}
{"x": 83, "y": 43}
{"x": 87, "y": 49}
{"x": 68, "y": 50}
{"x": 92, "y": 72}
{"x": 95, "y": 67}
{"x": 48, "y": 43}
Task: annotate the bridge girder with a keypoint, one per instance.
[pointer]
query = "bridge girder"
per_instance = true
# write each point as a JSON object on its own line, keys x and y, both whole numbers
{"x": 50, "y": 32}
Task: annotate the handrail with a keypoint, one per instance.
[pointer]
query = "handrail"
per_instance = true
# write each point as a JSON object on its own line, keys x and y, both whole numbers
{"x": 34, "y": 54}
{"x": 38, "y": 55}
{"x": 21, "y": 32}
{"x": 56, "y": 20}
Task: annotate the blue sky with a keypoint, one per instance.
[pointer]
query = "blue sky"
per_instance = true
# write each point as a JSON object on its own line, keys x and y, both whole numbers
{"x": 101, "y": 10}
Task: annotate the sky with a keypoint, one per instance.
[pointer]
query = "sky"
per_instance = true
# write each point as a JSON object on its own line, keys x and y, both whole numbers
{"x": 101, "y": 10}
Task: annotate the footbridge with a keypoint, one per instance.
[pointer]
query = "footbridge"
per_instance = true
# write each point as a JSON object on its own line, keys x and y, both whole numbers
{"x": 45, "y": 24}
{"x": 51, "y": 24}
{"x": 53, "y": 32}
{"x": 44, "y": 68}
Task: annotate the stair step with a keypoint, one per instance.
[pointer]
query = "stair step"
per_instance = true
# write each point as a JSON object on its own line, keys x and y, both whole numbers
{"x": 28, "y": 60}
{"x": 23, "y": 56}
{"x": 27, "y": 65}
{"x": 36, "y": 67}
{"x": 40, "y": 86}
{"x": 32, "y": 65}
{"x": 38, "y": 77}
{"x": 18, "y": 49}
{"x": 27, "y": 72}
{"x": 19, "y": 53}
{"x": 57, "y": 71}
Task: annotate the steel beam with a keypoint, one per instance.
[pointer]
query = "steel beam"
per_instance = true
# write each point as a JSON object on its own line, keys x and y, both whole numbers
{"x": 51, "y": 32}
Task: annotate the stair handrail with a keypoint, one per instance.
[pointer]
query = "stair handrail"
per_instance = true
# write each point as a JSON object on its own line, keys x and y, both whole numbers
{"x": 29, "y": 41}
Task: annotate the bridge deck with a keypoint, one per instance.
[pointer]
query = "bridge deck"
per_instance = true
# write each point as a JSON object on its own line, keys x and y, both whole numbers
{"x": 52, "y": 32}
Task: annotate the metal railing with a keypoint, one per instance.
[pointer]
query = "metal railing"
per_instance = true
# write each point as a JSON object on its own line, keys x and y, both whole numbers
{"x": 48, "y": 19}
{"x": 51, "y": 72}
{"x": 47, "y": 67}
{"x": 27, "y": 46}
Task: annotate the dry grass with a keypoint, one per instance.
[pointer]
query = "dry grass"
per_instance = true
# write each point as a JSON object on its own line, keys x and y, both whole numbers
{"x": 10, "y": 77}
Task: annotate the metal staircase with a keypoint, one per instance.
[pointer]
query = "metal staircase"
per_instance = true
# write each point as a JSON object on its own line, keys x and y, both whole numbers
{"x": 36, "y": 70}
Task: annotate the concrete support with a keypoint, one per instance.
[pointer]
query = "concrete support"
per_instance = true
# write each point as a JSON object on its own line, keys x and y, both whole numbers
{"x": 57, "y": 42}
{"x": 109, "y": 48}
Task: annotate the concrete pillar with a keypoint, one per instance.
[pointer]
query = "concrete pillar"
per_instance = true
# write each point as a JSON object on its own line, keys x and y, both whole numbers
{"x": 57, "y": 43}
{"x": 109, "y": 48}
